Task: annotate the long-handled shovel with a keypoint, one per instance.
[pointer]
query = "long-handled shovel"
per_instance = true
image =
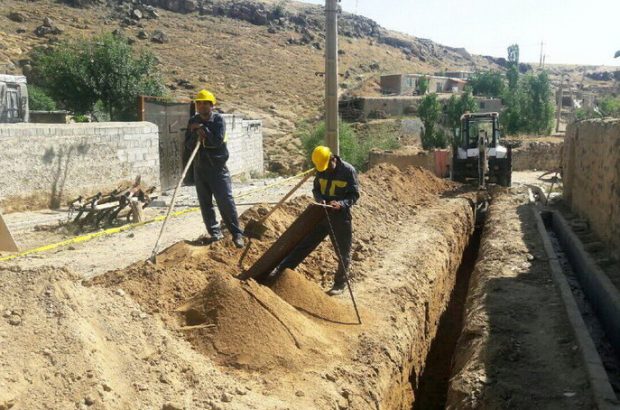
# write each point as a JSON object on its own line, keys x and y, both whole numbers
{"x": 341, "y": 263}
{"x": 153, "y": 258}
{"x": 256, "y": 228}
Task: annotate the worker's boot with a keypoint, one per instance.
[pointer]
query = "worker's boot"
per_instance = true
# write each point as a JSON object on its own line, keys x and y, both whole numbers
{"x": 209, "y": 238}
{"x": 216, "y": 236}
{"x": 271, "y": 278}
{"x": 337, "y": 289}
{"x": 238, "y": 241}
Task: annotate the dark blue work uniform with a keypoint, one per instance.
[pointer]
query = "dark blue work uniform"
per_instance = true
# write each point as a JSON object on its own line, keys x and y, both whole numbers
{"x": 211, "y": 174}
{"x": 338, "y": 185}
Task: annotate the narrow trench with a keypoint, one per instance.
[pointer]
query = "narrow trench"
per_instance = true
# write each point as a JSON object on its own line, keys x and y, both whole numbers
{"x": 432, "y": 387}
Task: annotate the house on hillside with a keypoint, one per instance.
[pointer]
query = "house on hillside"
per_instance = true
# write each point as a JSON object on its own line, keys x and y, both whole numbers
{"x": 489, "y": 104}
{"x": 409, "y": 84}
{"x": 372, "y": 107}
{"x": 462, "y": 75}
{"x": 13, "y": 99}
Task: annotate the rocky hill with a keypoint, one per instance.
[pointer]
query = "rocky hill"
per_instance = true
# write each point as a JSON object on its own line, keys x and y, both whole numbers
{"x": 262, "y": 58}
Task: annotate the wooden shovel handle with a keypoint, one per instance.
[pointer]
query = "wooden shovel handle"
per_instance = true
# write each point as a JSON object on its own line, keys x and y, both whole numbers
{"x": 287, "y": 196}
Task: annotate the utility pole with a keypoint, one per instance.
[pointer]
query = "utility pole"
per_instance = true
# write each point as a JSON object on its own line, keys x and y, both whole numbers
{"x": 560, "y": 97}
{"x": 331, "y": 76}
{"x": 541, "y": 63}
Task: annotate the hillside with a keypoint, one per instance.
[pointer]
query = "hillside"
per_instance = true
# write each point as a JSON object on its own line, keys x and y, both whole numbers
{"x": 262, "y": 59}
{"x": 265, "y": 70}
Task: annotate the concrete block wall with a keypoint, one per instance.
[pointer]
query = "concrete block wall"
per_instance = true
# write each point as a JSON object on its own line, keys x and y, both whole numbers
{"x": 245, "y": 145}
{"x": 591, "y": 176}
{"x": 64, "y": 160}
{"x": 537, "y": 155}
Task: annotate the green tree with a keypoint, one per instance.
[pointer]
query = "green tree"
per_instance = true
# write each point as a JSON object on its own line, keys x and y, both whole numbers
{"x": 513, "y": 54}
{"x": 62, "y": 73}
{"x": 513, "y": 67}
{"x": 529, "y": 106}
{"x": 537, "y": 107}
{"x": 80, "y": 73}
{"x": 610, "y": 107}
{"x": 511, "y": 116}
{"x": 488, "y": 84}
{"x": 38, "y": 100}
{"x": 513, "y": 96}
{"x": 456, "y": 107}
{"x": 429, "y": 112}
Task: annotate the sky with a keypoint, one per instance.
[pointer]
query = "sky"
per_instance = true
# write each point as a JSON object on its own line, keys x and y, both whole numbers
{"x": 572, "y": 31}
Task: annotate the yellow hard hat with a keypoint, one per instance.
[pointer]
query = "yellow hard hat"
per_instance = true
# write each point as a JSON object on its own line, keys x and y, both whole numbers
{"x": 320, "y": 157}
{"x": 204, "y": 95}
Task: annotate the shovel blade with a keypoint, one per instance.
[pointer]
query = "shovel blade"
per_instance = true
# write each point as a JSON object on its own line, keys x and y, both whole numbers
{"x": 255, "y": 229}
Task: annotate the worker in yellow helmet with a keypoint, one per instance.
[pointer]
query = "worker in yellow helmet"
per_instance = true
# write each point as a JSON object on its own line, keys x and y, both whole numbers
{"x": 336, "y": 185}
{"x": 211, "y": 174}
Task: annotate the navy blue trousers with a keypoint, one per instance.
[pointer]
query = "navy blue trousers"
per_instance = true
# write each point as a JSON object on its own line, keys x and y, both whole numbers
{"x": 341, "y": 224}
{"x": 214, "y": 182}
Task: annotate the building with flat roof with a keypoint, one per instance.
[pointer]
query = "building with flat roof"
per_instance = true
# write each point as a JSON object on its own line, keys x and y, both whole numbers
{"x": 409, "y": 84}
{"x": 13, "y": 99}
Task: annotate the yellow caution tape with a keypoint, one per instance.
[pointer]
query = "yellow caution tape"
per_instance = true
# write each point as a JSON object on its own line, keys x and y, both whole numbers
{"x": 112, "y": 231}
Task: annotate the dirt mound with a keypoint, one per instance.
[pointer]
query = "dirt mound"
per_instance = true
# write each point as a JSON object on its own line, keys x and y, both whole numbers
{"x": 280, "y": 220}
{"x": 388, "y": 197}
{"x": 309, "y": 298}
{"x": 409, "y": 186}
{"x": 181, "y": 271}
{"x": 245, "y": 325}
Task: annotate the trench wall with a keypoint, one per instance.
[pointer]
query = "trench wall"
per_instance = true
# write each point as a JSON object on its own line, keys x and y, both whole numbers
{"x": 58, "y": 161}
{"x": 591, "y": 176}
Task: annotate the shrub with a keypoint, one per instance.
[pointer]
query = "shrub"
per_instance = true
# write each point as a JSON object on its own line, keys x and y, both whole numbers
{"x": 610, "y": 107}
{"x": 38, "y": 100}
{"x": 353, "y": 148}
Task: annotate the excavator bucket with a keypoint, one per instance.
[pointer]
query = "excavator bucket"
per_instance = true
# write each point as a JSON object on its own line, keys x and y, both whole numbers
{"x": 7, "y": 243}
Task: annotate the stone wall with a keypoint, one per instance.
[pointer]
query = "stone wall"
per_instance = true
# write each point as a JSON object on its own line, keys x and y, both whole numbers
{"x": 591, "y": 176}
{"x": 60, "y": 161}
{"x": 537, "y": 156}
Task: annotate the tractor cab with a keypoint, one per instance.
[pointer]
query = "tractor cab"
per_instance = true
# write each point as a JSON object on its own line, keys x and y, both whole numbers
{"x": 477, "y": 152}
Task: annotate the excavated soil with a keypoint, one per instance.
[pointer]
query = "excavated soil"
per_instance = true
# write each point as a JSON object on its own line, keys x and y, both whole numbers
{"x": 245, "y": 325}
{"x": 186, "y": 334}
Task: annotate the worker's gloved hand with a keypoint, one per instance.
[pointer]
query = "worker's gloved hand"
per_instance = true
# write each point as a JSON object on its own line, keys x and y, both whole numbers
{"x": 200, "y": 131}
{"x": 335, "y": 205}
